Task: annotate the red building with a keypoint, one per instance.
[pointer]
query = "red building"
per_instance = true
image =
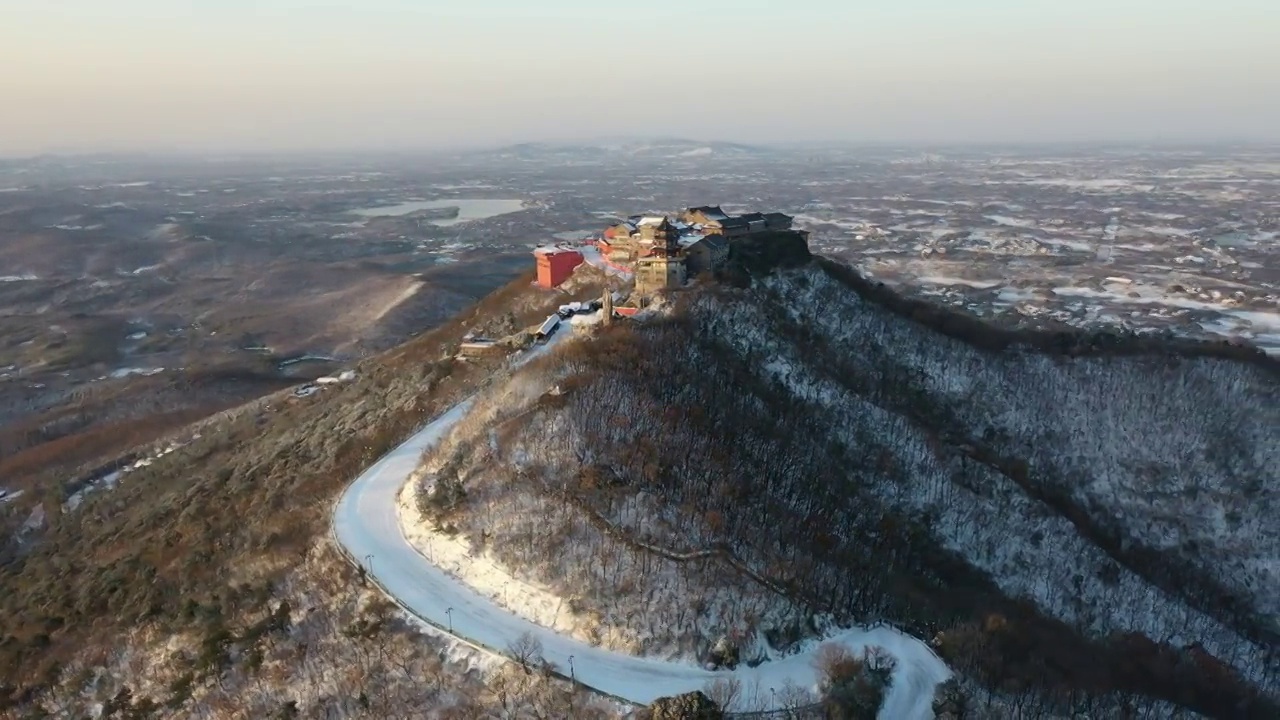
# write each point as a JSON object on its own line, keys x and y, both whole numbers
{"x": 555, "y": 265}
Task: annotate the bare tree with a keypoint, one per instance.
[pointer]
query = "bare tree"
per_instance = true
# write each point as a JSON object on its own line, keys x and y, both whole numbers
{"x": 835, "y": 664}
{"x": 755, "y": 698}
{"x": 793, "y": 697}
{"x": 526, "y": 650}
{"x": 724, "y": 692}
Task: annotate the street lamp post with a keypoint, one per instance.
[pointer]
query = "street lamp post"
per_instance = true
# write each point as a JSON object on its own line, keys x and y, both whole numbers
{"x": 773, "y": 699}
{"x": 449, "y": 612}
{"x": 573, "y": 679}
{"x": 368, "y": 563}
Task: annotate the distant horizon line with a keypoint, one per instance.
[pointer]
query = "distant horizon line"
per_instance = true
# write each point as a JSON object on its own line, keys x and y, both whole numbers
{"x": 916, "y": 145}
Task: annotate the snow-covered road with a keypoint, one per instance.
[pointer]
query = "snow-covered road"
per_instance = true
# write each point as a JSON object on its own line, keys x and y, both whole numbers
{"x": 365, "y": 523}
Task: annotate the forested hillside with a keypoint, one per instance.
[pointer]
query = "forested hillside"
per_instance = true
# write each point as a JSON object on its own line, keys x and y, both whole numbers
{"x": 1080, "y": 524}
{"x": 206, "y": 586}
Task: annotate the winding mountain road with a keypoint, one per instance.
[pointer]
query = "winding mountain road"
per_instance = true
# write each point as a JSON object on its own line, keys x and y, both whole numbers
{"x": 365, "y": 523}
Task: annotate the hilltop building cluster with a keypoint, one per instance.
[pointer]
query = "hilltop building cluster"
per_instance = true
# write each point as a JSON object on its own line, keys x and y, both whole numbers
{"x": 662, "y": 253}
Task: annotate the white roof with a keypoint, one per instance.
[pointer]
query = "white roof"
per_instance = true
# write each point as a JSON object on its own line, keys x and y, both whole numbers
{"x": 651, "y": 220}
{"x": 549, "y": 324}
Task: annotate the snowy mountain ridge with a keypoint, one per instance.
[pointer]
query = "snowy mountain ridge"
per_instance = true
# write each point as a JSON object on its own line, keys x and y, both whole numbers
{"x": 1086, "y": 522}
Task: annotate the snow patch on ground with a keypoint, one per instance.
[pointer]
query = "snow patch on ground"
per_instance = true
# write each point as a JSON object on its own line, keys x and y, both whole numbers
{"x": 1011, "y": 221}
{"x": 481, "y": 572}
{"x": 1089, "y": 184}
{"x": 1244, "y": 323}
{"x": 395, "y": 302}
{"x": 131, "y": 371}
{"x": 105, "y": 483}
{"x": 948, "y": 280}
{"x": 113, "y": 478}
{"x": 1077, "y": 245}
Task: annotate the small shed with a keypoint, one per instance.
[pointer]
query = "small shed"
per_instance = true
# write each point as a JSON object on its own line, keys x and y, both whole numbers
{"x": 478, "y": 347}
{"x": 548, "y": 327}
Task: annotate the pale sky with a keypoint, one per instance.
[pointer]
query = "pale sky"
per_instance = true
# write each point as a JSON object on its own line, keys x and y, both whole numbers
{"x": 291, "y": 75}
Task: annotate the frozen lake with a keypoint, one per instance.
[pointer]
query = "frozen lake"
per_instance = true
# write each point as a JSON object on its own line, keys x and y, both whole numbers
{"x": 469, "y": 209}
